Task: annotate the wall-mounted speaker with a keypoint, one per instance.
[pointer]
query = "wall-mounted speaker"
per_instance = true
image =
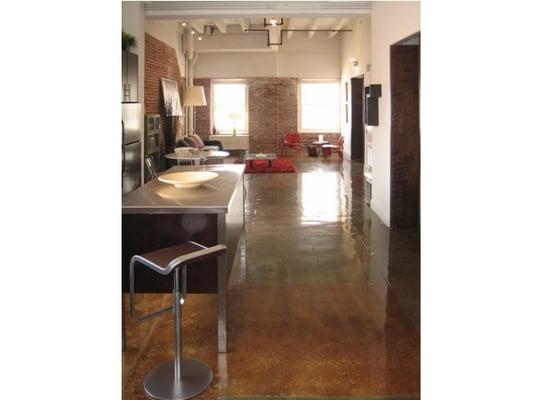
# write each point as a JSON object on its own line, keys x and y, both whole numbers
{"x": 374, "y": 91}
{"x": 372, "y": 94}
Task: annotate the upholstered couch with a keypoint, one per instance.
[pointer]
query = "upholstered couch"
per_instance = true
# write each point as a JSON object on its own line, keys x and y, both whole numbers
{"x": 196, "y": 142}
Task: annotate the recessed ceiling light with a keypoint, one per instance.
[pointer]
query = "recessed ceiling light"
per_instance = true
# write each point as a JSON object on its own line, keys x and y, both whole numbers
{"x": 183, "y": 23}
{"x": 193, "y": 32}
{"x": 199, "y": 38}
{"x": 273, "y": 21}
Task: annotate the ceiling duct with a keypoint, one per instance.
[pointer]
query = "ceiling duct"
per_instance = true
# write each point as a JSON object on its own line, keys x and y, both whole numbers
{"x": 275, "y": 33}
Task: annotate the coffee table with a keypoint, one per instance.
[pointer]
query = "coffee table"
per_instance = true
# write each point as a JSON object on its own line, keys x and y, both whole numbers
{"x": 319, "y": 144}
{"x": 251, "y": 157}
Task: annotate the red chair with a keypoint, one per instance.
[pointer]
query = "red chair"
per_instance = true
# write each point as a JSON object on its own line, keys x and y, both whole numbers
{"x": 337, "y": 147}
{"x": 292, "y": 141}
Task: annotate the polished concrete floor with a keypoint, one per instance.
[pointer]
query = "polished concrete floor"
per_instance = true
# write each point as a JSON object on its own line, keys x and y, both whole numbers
{"x": 324, "y": 303}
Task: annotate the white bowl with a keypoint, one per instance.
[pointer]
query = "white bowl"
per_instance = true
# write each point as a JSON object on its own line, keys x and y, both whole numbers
{"x": 188, "y": 180}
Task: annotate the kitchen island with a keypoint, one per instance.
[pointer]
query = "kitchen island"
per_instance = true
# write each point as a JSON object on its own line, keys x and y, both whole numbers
{"x": 158, "y": 215}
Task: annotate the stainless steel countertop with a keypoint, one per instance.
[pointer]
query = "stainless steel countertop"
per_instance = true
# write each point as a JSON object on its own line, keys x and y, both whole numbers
{"x": 157, "y": 197}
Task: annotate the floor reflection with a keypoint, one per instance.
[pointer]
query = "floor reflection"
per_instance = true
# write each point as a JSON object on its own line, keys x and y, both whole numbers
{"x": 324, "y": 300}
{"x": 319, "y": 194}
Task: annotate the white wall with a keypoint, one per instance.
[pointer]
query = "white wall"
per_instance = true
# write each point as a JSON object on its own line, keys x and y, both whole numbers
{"x": 391, "y": 22}
{"x": 169, "y": 32}
{"x": 235, "y": 65}
{"x": 133, "y": 23}
{"x": 355, "y": 45}
{"x": 298, "y": 57}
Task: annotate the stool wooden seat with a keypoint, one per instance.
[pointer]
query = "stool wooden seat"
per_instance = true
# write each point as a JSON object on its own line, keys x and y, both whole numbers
{"x": 178, "y": 379}
{"x": 164, "y": 256}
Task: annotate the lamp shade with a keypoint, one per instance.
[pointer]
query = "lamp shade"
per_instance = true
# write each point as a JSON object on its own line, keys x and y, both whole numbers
{"x": 194, "y": 96}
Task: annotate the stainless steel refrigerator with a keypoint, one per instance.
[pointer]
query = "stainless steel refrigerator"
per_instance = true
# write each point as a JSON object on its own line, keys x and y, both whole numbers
{"x": 132, "y": 122}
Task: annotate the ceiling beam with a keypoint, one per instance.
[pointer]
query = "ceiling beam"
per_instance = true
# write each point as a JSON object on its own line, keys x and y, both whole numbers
{"x": 339, "y": 25}
{"x": 314, "y": 25}
{"x": 221, "y": 25}
{"x": 244, "y": 23}
{"x": 249, "y": 9}
{"x": 198, "y": 25}
{"x": 270, "y": 49}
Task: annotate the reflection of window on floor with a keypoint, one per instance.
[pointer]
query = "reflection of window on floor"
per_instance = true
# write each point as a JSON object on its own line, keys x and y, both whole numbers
{"x": 320, "y": 191}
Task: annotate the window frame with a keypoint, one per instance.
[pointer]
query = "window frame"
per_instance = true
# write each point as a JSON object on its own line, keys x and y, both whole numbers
{"x": 339, "y": 119}
{"x": 212, "y": 111}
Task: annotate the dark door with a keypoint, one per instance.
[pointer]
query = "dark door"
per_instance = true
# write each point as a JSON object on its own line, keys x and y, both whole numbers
{"x": 405, "y": 135}
{"x": 358, "y": 128}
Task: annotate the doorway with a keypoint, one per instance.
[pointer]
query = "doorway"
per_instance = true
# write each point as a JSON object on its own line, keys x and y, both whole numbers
{"x": 358, "y": 128}
{"x": 405, "y": 132}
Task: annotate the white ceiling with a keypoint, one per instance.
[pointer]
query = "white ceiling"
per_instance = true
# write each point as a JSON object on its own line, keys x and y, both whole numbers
{"x": 252, "y": 9}
{"x": 224, "y": 24}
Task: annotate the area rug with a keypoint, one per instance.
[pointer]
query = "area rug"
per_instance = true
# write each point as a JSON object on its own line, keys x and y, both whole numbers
{"x": 261, "y": 166}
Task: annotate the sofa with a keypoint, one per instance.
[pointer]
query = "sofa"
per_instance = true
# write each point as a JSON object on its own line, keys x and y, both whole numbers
{"x": 195, "y": 141}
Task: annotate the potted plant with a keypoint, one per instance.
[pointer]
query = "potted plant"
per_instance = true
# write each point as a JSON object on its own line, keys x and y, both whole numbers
{"x": 128, "y": 42}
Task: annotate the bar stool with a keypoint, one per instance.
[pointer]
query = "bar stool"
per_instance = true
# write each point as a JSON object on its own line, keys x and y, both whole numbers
{"x": 178, "y": 379}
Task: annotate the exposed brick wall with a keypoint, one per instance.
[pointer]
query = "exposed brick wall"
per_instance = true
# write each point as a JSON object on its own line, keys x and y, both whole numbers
{"x": 263, "y": 114}
{"x": 287, "y": 108}
{"x": 272, "y": 112}
{"x": 161, "y": 62}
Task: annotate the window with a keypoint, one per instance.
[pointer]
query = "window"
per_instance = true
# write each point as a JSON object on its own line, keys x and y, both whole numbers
{"x": 319, "y": 106}
{"x": 230, "y": 111}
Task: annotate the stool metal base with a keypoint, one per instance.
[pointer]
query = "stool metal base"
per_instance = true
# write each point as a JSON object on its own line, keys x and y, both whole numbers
{"x": 159, "y": 382}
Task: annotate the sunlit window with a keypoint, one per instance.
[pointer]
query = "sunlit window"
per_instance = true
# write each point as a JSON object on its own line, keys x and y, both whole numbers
{"x": 319, "y": 107}
{"x": 230, "y": 111}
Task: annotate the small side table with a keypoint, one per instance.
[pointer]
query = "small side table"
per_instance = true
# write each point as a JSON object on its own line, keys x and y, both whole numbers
{"x": 214, "y": 156}
{"x": 194, "y": 159}
{"x": 319, "y": 144}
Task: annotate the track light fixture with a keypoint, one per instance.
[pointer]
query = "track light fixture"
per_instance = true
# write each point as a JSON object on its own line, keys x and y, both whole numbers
{"x": 272, "y": 22}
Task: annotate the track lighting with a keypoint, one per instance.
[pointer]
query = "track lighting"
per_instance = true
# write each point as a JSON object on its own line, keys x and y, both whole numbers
{"x": 272, "y": 22}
